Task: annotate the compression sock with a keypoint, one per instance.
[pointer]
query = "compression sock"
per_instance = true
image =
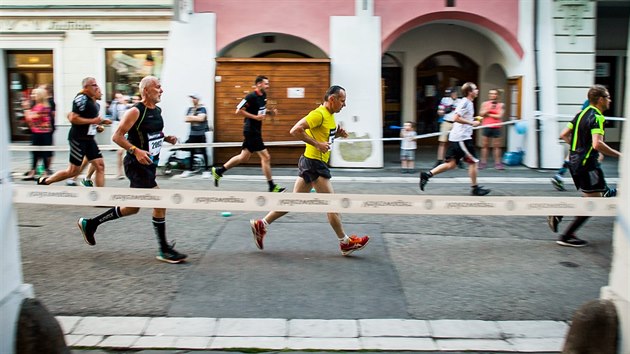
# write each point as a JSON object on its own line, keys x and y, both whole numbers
{"x": 271, "y": 184}
{"x": 221, "y": 170}
{"x": 576, "y": 224}
{"x": 159, "y": 226}
{"x": 111, "y": 214}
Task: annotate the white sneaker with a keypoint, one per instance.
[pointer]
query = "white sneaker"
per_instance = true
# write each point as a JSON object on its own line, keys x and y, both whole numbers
{"x": 186, "y": 174}
{"x": 71, "y": 182}
{"x": 206, "y": 175}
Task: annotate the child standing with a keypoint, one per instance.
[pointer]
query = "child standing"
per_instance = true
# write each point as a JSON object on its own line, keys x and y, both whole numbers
{"x": 408, "y": 148}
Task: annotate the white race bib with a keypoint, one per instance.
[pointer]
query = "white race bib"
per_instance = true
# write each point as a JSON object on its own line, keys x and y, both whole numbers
{"x": 155, "y": 143}
{"x": 262, "y": 112}
{"x": 92, "y": 129}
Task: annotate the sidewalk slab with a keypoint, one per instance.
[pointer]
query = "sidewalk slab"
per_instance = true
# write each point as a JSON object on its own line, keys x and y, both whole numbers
{"x": 465, "y": 329}
{"x": 474, "y": 344}
{"x": 109, "y": 326}
{"x": 323, "y": 328}
{"x": 272, "y": 343}
{"x": 393, "y": 343}
{"x": 394, "y": 328}
{"x": 180, "y": 326}
{"x": 534, "y": 329}
{"x": 251, "y": 327}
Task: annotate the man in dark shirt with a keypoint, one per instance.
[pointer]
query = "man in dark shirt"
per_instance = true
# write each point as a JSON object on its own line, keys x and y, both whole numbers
{"x": 254, "y": 108}
{"x": 585, "y": 136}
{"x": 140, "y": 133}
{"x": 85, "y": 120}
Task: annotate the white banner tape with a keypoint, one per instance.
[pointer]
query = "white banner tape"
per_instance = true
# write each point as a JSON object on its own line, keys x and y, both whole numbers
{"x": 315, "y": 202}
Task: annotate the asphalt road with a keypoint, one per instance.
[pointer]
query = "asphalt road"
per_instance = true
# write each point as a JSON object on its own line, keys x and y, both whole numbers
{"x": 416, "y": 267}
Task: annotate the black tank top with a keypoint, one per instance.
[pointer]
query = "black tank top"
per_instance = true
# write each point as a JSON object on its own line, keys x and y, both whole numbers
{"x": 146, "y": 133}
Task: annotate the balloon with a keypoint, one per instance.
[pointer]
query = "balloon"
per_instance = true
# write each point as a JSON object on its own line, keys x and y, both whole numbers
{"x": 521, "y": 127}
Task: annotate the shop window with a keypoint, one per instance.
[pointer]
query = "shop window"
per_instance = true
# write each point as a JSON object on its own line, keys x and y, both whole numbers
{"x": 126, "y": 67}
{"x": 26, "y": 70}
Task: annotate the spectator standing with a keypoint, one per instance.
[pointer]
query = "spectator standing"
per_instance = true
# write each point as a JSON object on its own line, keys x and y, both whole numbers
{"x": 408, "y": 148}
{"x": 492, "y": 113}
{"x": 198, "y": 119}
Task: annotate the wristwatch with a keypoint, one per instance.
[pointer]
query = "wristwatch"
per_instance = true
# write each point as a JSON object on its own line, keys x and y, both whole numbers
{"x": 131, "y": 150}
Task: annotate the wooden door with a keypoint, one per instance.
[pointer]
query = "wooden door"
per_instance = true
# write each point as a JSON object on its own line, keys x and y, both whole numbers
{"x": 235, "y": 79}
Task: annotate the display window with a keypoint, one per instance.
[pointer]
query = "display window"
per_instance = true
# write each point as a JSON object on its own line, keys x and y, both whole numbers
{"x": 126, "y": 67}
{"x": 26, "y": 70}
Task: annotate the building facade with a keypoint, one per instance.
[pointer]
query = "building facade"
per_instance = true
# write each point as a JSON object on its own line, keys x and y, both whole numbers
{"x": 394, "y": 57}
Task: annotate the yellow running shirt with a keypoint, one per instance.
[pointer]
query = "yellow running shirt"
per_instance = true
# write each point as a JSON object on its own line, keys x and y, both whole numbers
{"x": 322, "y": 127}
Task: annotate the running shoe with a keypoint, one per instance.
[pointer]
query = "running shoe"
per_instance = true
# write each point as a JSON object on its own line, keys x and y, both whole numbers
{"x": 216, "y": 176}
{"x": 499, "y": 166}
{"x": 41, "y": 181}
{"x": 277, "y": 189}
{"x": 186, "y": 174}
{"x": 87, "y": 230}
{"x": 70, "y": 182}
{"x": 479, "y": 191}
{"x": 259, "y": 230}
{"x": 553, "y": 222}
{"x": 86, "y": 182}
{"x": 482, "y": 165}
{"x": 610, "y": 192}
{"x": 356, "y": 243}
{"x": 571, "y": 241}
{"x": 206, "y": 175}
{"x": 170, "y": 255}
{"x": 557, "y": 183}
{"x": 424, "y": 179}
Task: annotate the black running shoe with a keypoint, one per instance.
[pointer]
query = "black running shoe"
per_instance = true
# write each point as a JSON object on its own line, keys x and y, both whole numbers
{"x": 87, "y": 230}
{"x": 169, "y": 255}
{"x": 610, "y": 192}
{"x": 571, "y": 241}
{"x": 479, "y": 191}
{"x": 41, "y": 181}
{"x": 215, "y": 176}
{"x": 424, "y": 179}
{"x": 553, "y": 222}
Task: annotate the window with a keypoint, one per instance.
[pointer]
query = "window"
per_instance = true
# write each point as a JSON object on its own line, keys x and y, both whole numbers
{"x": 126, "y": 67}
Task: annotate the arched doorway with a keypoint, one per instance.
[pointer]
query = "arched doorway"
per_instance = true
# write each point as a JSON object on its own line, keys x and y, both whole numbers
{"x": 391, "y": 93}
{"x": 433, "y": 75}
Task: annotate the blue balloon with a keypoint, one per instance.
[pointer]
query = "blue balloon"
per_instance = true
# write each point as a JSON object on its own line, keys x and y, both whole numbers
{"x": 521, "y": 127}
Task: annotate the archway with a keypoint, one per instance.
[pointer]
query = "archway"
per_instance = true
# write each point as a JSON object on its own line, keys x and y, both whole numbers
{"x": 434, "y": 75}
{"x": 272, "y": 45}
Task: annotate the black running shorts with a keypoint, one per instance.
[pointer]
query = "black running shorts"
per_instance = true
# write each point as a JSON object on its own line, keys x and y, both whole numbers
{"x": 253, "y": 142}
{"x": 81, "y": 148}
{"x": 140, "y": 176}
{"x": 310, "y": 169}
{"x": 589, "y": 180}
{"x": 461, "y": 149}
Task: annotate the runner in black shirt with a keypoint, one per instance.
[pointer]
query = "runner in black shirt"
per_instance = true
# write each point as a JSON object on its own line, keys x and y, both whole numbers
{"x": 143, "y": 123}
{"x": 254, "y": 108}
{"x": 84, "y": 119}
{"x": 585, "y": 136}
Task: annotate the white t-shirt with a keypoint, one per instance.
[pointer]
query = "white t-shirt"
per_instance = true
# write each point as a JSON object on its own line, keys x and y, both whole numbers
{"x": 461, "y": 132}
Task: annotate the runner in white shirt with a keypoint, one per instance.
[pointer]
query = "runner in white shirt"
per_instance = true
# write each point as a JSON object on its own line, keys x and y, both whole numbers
{"x": 461, "y": 145}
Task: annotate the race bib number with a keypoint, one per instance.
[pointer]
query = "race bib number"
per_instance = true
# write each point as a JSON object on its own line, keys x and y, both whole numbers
{"x": 262, "y": 112}
{"x": 155, "y": 143}
{"x": 92, "y": 129}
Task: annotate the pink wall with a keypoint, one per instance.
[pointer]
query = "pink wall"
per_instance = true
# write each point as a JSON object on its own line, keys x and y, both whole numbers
{"x": 237, "y": 19}
{"x": 400, "y": 16}
{"x": 310, "y": 19}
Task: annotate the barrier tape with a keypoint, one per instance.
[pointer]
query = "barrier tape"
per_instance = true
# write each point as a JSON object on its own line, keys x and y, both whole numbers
{"x": 315, "y": 202}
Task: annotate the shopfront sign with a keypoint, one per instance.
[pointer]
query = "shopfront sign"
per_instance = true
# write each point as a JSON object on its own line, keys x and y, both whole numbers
{"x": 30, "y": 25}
